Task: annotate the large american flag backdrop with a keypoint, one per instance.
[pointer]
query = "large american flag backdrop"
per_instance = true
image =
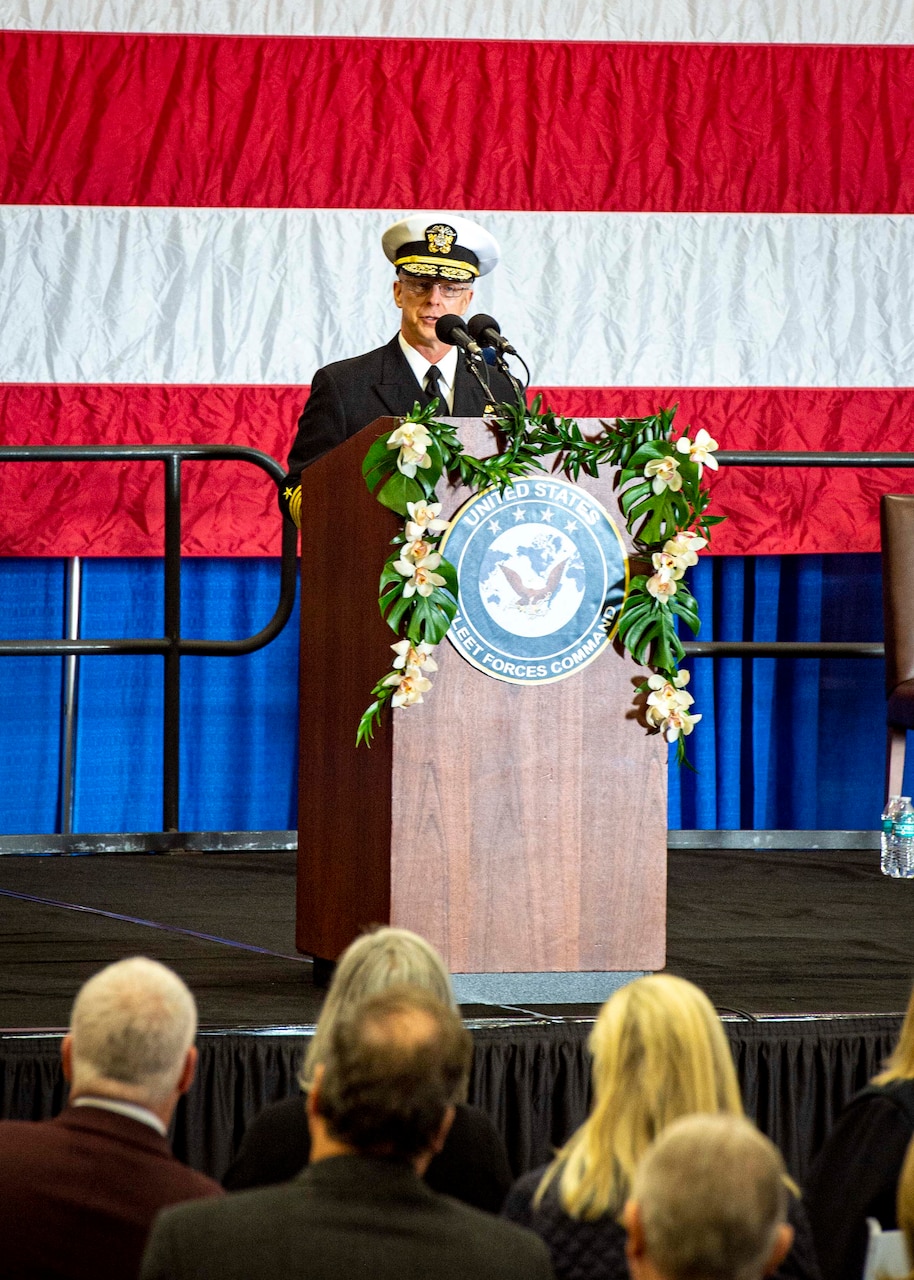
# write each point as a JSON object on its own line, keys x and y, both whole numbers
{"x": 703, "y": 203}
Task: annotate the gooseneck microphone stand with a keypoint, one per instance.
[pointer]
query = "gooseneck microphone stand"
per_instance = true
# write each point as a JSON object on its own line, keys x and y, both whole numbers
{"x": 486, "y": 332}
{"x": 451, "y": 329}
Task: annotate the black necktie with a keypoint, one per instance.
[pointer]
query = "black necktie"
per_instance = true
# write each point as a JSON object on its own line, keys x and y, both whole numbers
{"x": 433, "y": 386}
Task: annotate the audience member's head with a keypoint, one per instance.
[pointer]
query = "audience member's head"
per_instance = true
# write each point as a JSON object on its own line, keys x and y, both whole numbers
{"x": 379, "y": 959}
{"x": 389, "y": 1077}
{"x": 131, "y": 1035}
{"x": 708, "y": 1202}
{"x": 900, "y": 1063}
{"x": 659, "y": 1052}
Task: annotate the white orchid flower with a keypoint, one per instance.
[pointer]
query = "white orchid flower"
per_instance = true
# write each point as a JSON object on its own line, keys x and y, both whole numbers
{"x": 684, "y": 548}
{"x": 667, "y": 565}
{"x": 700, "y": 450}
{"x": 413, "y": 440}
{"x": 661, "y": 586}
{"x": 655, "y": 716}
{"x": 679, "y": 722}
{"x": 664, "y": 473}
{"x": 665, "y": 698}
{"x": 424, "y": 516}
{"x": 680, "y": 680}
{"x": 422, "y": 578}
{"x": 410, "y": 688}
{"x": 416, "y": 551}
{"x": 413, "y": 657}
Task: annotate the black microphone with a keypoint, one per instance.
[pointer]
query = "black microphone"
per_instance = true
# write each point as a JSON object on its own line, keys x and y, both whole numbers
{"x": 453, "y": 331}
{"x": 485, "y": 330}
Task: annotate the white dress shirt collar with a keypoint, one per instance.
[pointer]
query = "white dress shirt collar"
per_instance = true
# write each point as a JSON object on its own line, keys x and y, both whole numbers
{"x": 132, "y": 1110}
{"x": 447, "y": 368}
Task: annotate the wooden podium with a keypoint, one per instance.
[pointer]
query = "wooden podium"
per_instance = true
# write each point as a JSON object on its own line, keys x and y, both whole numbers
{"x": 521, "y": 829}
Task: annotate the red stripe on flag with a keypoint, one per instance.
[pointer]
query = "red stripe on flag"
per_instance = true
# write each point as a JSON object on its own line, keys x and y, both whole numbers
{"x": 117, "y": 508}
{"x": 230, "y": 509}
{"x": 780, "y": 511}
{"x": 353, "y": 123}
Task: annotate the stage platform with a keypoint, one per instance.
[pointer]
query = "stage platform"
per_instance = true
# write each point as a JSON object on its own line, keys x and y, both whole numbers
{"x": 807, "y": 956}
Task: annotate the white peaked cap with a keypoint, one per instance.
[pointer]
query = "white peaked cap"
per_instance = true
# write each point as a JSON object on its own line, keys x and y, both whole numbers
{"x": 441, "y": 245}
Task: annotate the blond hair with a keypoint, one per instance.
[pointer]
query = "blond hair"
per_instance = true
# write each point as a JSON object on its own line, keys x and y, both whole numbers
{"x": 900, "y": 1062}
{"x": 659, "y": 1052}
{"x": 384, "y": 957}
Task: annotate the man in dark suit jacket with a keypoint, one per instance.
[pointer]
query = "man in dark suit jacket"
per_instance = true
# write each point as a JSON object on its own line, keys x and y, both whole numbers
{"x": 78, "y": 1194}
{"x": 437, "y": 257}
{"x": 379, "y": 1108}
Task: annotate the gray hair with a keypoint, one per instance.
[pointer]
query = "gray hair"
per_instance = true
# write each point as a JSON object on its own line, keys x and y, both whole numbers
{"x": 712, "y": 1196}
{"x": 382, "y": 958}
{"x": 131, "y": 1027}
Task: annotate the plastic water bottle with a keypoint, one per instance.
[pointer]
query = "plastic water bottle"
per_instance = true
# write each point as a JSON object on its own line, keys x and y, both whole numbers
{"x": 889, "y": 860}
{"x": 903, "y": 840}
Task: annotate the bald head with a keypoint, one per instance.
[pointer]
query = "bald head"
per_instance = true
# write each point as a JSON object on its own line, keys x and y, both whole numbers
{"x": 394, "y": 1066}
{"x": 709, "y": 1202}
{"x": 131, "y": 1034}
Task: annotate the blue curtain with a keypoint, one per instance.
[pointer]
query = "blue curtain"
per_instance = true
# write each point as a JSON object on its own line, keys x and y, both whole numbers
{"x": 31, "y": 692}
{"x": 797, "y": 744}
{"x": 238, "y": 715}
{"x": 782, "y": 744}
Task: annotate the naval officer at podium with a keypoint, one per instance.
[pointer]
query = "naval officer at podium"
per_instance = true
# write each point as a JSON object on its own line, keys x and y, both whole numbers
{"x": 437, "y": 258}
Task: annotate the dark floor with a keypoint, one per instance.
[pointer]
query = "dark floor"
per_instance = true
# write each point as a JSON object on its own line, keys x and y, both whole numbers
{"x": 764, "y": 932}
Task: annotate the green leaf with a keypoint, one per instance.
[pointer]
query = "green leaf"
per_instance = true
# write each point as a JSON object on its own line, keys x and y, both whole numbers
{"x": 633, "y": 613}
{"x": 639, "y": 635}
{"x": 650, "y": 451}
{"x": 397, "y": 612}
{"x": 388, "y": 598}
{"x": 689, "y": 616}
{"x": 389, "y": 574}
{"x": 667, "y": 649}
{"x": 634, "y": 494}
{"x": 449, "y": 573}
{"x": 371, "y": 716}
{"x": 399, "y": 490}
{"x": 431, "y": 619}
{"x": 379, "y": 461}
{"x": 432, "y": 474}
{"x": 636, "y": 602}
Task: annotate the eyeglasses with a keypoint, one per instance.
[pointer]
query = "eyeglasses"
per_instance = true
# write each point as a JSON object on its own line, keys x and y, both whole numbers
{"x": 422, "y": 288}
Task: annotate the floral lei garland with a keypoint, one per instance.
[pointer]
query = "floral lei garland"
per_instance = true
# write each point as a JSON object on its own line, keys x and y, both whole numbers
{"x": 665, "y": 507}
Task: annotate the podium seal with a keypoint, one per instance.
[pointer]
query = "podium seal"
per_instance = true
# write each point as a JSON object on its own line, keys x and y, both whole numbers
{"x": 542, "y": 574}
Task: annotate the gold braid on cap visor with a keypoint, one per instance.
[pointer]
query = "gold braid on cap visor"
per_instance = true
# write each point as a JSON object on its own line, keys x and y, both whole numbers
{"x": 420, "y": 266}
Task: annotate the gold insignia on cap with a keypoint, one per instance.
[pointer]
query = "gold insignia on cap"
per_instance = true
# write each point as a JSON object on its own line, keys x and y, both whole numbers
{"x": 440, "y": 237}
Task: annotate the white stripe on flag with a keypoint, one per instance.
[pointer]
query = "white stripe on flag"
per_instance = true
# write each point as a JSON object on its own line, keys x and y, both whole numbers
{"x": 725, "y": 21}
{"x": 265, "y": 296}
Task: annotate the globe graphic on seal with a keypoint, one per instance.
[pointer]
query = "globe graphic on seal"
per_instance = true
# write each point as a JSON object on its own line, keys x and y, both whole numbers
{"x": 531, "y": 580}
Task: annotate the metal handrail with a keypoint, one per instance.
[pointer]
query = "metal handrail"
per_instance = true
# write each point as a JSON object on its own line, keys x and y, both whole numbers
{"x": 796, "y": 648}
{"x": 172, "y": 645}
